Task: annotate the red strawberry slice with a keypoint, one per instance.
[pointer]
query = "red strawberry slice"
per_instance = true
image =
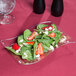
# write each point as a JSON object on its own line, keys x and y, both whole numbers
{"x": 32, "y": 36}
{"x": 39, "y": 50}
{"x": 30, "y": 42}
{"x": 52, "y": 34}
{"x": 15, "y": 46}
{"x": 50, "y": 28}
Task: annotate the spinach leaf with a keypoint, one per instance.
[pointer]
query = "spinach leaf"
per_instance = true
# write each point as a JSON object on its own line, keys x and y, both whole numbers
{"x": 40, "y": 26}
{"x": 49, "y": 32}
{"x": 12, "y": 50}
{"x": 57, "y": 37}
{"x": 45, "y": 37}
{"x": 51, "y": 41}
{"x": 19, "y": 40}
{"x": 38, "y": 37}
{"x": 44, "y": 41}
{"x": 54, "y": 27}
{"x": 34, "y": 49}
{"x": 39, "y": 30}
{"x": 45, "y": 48}
{"x": 27, "y": 33}
{"x": 26, "y": 53}
{"x": 29, "y": 46}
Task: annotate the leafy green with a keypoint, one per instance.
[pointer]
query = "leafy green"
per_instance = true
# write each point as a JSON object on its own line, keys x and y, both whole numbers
{"x": 41, "y": 26}
{"x": 44, "y": 41}
{"x": 29, "y": 46}
{"x": 45, "y": 48}
{"x": 49, "y": 32}
{"x": 38, "y": 37}
{"x": 20, "y": 38}
{"x": 26, "y": 53}
{"x": 27, "y": 33}
{"x": 45, "y": 37}
{"x": 34, "y": 49}
{"x": 54, "y": 27}
{"x": 12, "y": 50}
{"x": 57, "y": 37}
{"x": 51, "y": 41}
{"x": 23, "y": 49}
{"x": 39, "y": 30}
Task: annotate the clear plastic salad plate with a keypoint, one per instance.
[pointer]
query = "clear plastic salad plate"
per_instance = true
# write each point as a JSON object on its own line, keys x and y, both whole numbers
{"x": 63, "y": 41}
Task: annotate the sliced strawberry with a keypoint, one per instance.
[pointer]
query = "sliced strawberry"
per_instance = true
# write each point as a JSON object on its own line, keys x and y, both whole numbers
{"x": 15, "y": 46}
{"x": 45, "y": 28}
{"x": 52, "y": 34}
{"x": 39, "y": 50}
{"x": 32, "y": 36}
{"x": 30, "y": 42}
{"x": 50, "y": 28}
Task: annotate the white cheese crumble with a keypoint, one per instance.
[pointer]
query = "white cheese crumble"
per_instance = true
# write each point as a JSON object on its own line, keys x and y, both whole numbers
{"x": 67, "y": 41}
{"x": 62, "y": 40}
{"x": 46, "y": 29}
{"x": 46, "y": 32}
{"x": 37, "y": 55}
{"x": 11, "y": 47}
{"x": 27, "y": 38}
{"x": 21, "y": 40}
{"x": 53, "y": 29}
{"x": 56, "y": 46}
{"x": 33, "y": 39}
{"x": 51, "y": 47}
{"x": 17, "y": 51}
{"x": 53, "y": 43}
{"x": 36, "y": 33}
{"x": 19, "y": 61}
{"x": 50, "y": 28}
{"x": 38, "y": 58}
{"x": 21, "y": 45}
{"x": 40, "y": 32}
{"x": 25, "y": 54}
{"x": 24, "y": 44}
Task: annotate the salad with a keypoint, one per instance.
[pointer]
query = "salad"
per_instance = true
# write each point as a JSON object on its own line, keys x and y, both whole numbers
{"x": 33, "y": 45}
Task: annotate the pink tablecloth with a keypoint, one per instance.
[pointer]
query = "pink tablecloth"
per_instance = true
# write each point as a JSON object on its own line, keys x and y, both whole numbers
{"x": 60, "y": 63}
